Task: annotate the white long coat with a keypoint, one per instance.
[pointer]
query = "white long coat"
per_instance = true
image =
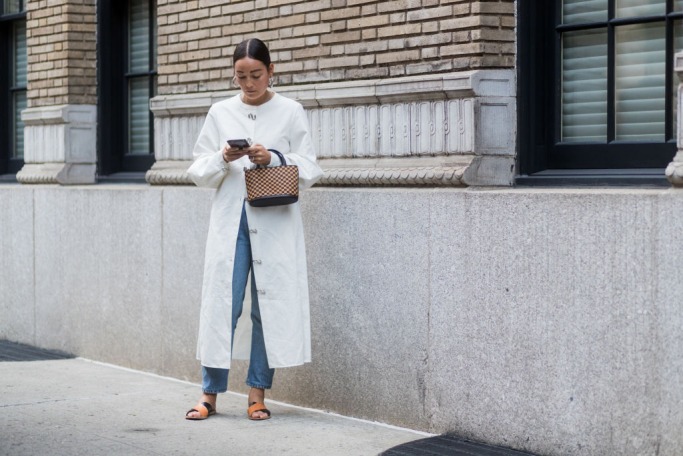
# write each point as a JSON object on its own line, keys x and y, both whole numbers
{"x": 276, "y": 233}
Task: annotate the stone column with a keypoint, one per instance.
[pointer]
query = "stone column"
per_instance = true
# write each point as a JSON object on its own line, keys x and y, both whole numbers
{"x": 674, "y": 172}
{"x": 60, "y": 121}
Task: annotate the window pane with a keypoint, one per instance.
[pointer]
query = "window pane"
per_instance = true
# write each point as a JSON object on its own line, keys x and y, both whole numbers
{"x": 12, "y": 6}
{"x": 640, "y": 82}
{"x": 19, "y": 104}
{"x": 19, "y": 77}
{"x": 678, "y": 46}
{"x": 678, "y": 6}
{"x": 635, "y": 8}
{"x": 138, "y": 115}
{"x": 154, "y": 39}
{"x": 584, "y": 86}
{"x": 576, "y": 11}
{"x": 138, "y": 39}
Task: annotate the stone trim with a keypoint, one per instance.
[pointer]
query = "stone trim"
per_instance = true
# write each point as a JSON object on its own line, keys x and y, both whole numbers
{"x": 674, "y": 172}
{"x": 468, "y": 115}
{"x": 60, "y": 145}
{"x": 169, "y": 172}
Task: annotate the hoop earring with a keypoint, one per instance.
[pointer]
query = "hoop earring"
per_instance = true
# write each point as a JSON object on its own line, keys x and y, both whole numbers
{"x": 271, "y": 82}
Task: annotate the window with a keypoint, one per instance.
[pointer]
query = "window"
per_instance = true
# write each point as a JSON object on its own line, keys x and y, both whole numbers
{"x": 597, "y": 88}
{"x": 13, "y": 72}
{"x": 126, "y": 82}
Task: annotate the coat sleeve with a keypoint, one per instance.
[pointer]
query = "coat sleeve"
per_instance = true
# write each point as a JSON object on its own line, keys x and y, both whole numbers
{"x": 208, "y": 169}
{"x": 301, "y": 150}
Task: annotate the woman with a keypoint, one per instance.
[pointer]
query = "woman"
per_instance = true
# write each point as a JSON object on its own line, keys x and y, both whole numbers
{"x": 266, "y": 240}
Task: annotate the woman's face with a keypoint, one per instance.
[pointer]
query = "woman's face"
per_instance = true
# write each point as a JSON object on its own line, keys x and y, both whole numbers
{"x": 252, "y": 77}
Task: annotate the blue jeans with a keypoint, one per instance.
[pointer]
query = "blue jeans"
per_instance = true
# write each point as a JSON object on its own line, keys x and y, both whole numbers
{"x": 215, "y": 380}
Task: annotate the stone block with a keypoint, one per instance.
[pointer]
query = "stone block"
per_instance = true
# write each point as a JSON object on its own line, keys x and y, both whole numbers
{"x": 98, "y": 264}
{"x": 17, "y": 304}
{"x": 185, "y": 227}
{"x": 546, "y": 333}
{"x": 368, "y": 259}
{"x": 668, "y": 278}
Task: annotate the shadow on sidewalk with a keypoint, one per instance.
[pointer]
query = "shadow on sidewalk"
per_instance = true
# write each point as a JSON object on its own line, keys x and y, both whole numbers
{"x": 446, "y": 445}
{"x": 12, "y": 351}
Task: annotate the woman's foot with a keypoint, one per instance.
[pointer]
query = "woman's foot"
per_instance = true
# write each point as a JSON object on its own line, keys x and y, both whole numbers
{"x": 201, "y": 411}
{"x": 257, "y": 397}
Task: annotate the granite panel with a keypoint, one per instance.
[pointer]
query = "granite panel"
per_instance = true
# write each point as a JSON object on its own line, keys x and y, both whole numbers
{"x": 17, "y": 318}
{"x": 368, "y": 262}
{"x": 544, "y": 332}
{"x": 98, "y": 272}
{"x": 185, "y": 226}
{"x": 669, "y": 296}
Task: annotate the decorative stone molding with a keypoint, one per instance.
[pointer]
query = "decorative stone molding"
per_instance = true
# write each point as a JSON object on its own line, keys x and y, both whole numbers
{"x": 419, "y": 171}
{"x": 674, "y": 172}
{"x": 470, "y": 116}
{"x": 60, "y": 145}
{"x": 169, "y": 172}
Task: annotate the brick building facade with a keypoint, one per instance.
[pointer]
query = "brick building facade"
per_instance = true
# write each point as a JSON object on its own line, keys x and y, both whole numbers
{"x": 328, "y": 41}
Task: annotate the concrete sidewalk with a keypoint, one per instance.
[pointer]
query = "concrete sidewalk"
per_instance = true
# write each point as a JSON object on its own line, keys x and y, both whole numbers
{"x": 79, "y": 407}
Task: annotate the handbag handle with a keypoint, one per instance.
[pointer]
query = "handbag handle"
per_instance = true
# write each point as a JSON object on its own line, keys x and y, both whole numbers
{"x": 280, "y": 156}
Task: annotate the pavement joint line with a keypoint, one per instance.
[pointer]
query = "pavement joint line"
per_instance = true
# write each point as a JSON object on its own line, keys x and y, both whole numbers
{"x": 272, "y": 401}
{"x": 51, "y": 401}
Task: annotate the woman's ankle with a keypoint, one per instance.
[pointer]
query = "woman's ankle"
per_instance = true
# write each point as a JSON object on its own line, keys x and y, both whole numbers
{"x": 257, "y": 394}
{"x": 209, "y": 397}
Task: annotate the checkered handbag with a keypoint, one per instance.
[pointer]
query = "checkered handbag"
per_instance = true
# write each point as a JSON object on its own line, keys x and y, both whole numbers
{"x": 274, "y": 186}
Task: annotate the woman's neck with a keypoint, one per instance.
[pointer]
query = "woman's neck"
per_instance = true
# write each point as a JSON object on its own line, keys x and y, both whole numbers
{"x": 267, "y": 96}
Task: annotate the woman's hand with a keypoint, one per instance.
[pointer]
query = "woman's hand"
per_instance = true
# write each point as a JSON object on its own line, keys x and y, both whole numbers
{"x": 233, "y": 153}
{"x": 259, "y": 155}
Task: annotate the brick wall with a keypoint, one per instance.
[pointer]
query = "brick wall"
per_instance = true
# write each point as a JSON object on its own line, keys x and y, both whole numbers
{"x": 331, "y": 40}
{"x": 61, "y": 42}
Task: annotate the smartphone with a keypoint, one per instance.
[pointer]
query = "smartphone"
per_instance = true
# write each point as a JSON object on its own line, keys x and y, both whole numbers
{"x": 239, "y": 143}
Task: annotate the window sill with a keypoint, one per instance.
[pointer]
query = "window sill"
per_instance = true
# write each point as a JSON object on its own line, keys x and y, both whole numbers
{"x": 641, "y": 177}
{"x": 123, "y": 178}
{"x": 8, "y": 179}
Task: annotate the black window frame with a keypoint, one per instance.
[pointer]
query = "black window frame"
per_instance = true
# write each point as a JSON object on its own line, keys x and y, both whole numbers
{"x": 114, "y": 162}
{"x": 543, "y": 160}
{"x": 9, "y": 165}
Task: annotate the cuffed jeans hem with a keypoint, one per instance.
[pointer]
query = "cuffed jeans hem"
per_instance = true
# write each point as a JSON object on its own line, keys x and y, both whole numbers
{"x": 214, "y": 392}
{"x": 255, "y": 385}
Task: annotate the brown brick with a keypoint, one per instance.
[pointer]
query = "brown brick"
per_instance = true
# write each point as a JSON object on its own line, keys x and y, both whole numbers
{"x": 341, "y": 13}
{"x": 389, "y": 57}
{"x": 399, "y": 30}
{"x": 306, "y": 7}
{"x": 493, "y": 35}
{"x": 429, "y": 14}
{"x": 366, "y": 22}
{"x": 329, "y": 38}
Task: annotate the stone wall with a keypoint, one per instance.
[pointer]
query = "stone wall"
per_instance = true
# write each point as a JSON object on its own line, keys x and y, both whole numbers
{"x": 545, "y": 320}
{"x": 331, "y": 40}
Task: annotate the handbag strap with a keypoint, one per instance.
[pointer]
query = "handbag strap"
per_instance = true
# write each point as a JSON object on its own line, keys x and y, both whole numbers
{"x": 279, "y": 154}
